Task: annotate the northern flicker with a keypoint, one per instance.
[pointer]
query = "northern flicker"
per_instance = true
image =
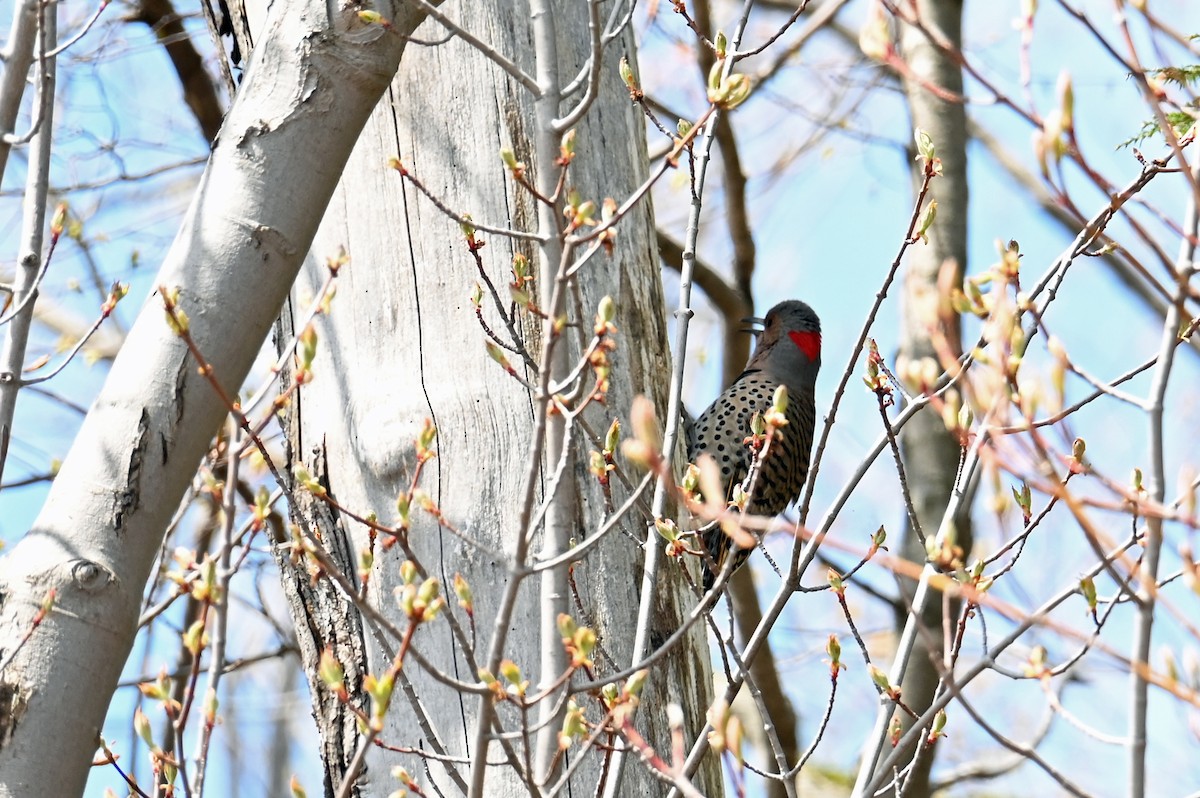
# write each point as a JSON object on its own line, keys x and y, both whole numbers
{"x": 786, "y": 352}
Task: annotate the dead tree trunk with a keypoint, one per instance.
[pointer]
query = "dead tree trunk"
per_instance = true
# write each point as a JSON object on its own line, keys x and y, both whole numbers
{"x": 404, "y": 345}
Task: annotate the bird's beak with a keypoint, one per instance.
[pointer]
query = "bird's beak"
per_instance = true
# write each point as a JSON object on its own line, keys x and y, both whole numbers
{"x": 753, "y": 324}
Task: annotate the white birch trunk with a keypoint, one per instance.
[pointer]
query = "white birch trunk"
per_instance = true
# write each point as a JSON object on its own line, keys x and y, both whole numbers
{"x": 309, "y": 89}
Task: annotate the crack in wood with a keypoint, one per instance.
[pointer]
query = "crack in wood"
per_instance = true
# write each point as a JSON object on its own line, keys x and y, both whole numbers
{"x": 129, "y": 498}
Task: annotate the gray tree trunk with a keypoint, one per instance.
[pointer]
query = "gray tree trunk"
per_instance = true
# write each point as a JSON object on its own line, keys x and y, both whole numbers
{"x": 403, "y": 345}
{"x": 930, "y": 451}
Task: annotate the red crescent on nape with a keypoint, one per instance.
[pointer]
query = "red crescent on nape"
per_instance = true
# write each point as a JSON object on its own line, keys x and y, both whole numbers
{"x": 809, "y": 343}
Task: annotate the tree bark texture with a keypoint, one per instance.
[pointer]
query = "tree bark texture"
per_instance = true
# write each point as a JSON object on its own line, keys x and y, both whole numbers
{"x": 313, "y": 83}
{"x": 403, "y": 345}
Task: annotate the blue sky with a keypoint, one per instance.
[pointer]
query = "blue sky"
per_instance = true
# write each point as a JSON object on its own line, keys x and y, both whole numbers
{"x": 826, "y": 231}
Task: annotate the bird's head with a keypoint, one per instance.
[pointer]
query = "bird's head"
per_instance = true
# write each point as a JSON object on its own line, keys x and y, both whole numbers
{"x": 789, "y": 345}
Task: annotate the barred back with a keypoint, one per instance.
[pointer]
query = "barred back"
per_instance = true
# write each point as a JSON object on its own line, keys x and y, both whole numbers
{"x": 721, "y": 431}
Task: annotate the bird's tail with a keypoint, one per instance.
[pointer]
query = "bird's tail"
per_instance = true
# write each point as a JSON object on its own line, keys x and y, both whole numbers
{"x": 719, "y": 547}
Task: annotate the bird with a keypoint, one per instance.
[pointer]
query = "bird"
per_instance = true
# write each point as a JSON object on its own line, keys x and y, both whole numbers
{"x": 787, "y": 351}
